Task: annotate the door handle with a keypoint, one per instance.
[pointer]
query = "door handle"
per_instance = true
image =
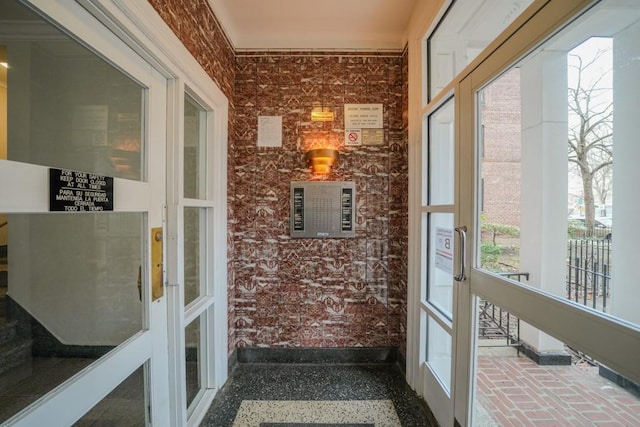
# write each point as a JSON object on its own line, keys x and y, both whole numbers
{"x": 140, "y": 282}
{"x": 462, "y": 238}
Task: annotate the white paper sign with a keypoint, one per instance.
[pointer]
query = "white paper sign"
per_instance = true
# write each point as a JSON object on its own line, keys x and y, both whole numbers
{"x": 444, "y": 249}
{"x": 269, "y": 131}
{"x": 363, "y": 116}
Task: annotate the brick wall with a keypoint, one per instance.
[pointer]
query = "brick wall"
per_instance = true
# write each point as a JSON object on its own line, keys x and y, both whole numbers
{"x": 502, "y": 150}
{"x": 307, "y": 292}
{"x": 318, "y": 292}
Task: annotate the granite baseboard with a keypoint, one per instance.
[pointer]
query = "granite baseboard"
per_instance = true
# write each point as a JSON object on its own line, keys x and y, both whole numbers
{"x": 618, "y": 379}
{"x": 546, "y": 358}
{"x": 317, "y": 355}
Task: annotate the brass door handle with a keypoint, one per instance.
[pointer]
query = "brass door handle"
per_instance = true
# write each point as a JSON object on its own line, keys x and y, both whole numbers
{"x": 157, "y": 289}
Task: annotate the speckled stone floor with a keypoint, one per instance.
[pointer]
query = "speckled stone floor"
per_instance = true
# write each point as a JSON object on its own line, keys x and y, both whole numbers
{"x": 317, "y": 382}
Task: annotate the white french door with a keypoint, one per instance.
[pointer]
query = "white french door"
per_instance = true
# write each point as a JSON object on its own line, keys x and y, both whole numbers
{"x": 86, "y": 276}
{"x": 444, "y": 301}
{"x": 437, "y": 281}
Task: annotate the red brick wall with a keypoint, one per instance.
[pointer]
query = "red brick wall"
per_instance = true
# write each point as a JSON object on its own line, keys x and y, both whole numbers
{"x": 307, "y": 292}
{"x": 318, "y": 292}
{"x": 502, "y": 150}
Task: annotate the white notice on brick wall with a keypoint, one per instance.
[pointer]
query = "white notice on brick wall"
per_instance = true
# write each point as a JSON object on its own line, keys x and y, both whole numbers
{"x": 269, "y": 131}
{"x": 363, "y": 116}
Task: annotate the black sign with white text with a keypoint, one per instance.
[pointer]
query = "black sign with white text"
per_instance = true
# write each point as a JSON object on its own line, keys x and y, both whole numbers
{"x": 72, "y": 191}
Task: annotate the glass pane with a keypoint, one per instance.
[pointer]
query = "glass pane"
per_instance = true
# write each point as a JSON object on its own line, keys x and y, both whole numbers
{"x": 500, "y": 153}
{"x": 194, "y": 252}
{"x": 441, "y": 155}
{"x": 440, "y": 268}
{"x": 69, "y": 295}
{"x": 192, "y": 338}
{"x": 558, "y": 148}
{"x": 194, "y": 150}
{"x": 124, "y": 406}
{"x": 467, "y": 28}
{"x": 564, "y": 388}
{"x": 439, "y": 352}
{"x": 67, "y": 107}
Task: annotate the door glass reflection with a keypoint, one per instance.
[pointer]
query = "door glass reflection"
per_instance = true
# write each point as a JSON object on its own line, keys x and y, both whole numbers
{"x": 194, "y": 252}
{"x": 192, "y": 358}
{"x": 68, "y": 296}
{"x": 66, "y": 107}
{"x": 124, "y": 406}
{"x": 195, "y": 155}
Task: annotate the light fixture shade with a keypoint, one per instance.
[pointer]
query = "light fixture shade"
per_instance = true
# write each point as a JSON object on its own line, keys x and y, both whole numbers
{"x": 321, "y": 160}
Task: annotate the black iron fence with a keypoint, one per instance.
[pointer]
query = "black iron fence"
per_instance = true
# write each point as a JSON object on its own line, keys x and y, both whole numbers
{"x": 589, "y": 272}
{"x": 497, "y": 324}
{"x": 588, "y": 282}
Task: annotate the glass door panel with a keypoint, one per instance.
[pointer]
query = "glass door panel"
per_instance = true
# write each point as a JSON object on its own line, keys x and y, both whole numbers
{"x": 439, "y": 352}
{"x": 124, "y": 406}
{"x": 194, "y": 252}
{"x": 466, "y": 29}
{"x": 555, "y": 154}
{"x": 438, "y": 213}
{"x": 75, "y": 288}
{"x": 66, "y": 106}
{"x": 194, "y": 354}
{"x": 193, "y": 359}
{"x": 440, "y": 266}
{"x": 441, "y": 156}
{"x": 553, "y": 158}
{"x": 195, "y": 149}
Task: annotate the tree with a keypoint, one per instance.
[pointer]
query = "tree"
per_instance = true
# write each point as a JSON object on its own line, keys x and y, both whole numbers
{"x": 590, "y": 125}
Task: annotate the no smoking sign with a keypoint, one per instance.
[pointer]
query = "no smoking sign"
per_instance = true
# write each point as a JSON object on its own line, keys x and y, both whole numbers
{"x": 353, "y": 137}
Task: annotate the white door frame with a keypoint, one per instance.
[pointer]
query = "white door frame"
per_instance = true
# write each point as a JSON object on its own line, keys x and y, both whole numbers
{"x": 149, "y": 37}
{"x": 139, "y": 24}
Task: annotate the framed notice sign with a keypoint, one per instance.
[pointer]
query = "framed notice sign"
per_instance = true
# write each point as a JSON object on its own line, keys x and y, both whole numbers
{"x": 363, "y": 116}
{"x": 73, "y": 191}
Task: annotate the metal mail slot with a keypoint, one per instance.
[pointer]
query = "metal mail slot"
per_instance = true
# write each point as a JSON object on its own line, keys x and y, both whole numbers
{"x": 323, "y": 209}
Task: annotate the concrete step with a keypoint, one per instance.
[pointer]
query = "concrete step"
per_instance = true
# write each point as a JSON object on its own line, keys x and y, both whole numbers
{"x": 14, "y": 353}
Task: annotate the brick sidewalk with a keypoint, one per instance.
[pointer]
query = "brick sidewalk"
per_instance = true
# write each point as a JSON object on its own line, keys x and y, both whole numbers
{"x": 514, "y": 391}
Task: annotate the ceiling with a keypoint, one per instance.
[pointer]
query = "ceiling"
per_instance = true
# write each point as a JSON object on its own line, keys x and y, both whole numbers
{"x": 315, "y": 25}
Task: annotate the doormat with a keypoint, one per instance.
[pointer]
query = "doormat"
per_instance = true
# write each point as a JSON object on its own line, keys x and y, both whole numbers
{"x": 316, "y": 413}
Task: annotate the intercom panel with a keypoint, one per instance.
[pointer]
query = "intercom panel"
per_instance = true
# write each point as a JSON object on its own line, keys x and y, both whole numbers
{"x": 323, "y": 209}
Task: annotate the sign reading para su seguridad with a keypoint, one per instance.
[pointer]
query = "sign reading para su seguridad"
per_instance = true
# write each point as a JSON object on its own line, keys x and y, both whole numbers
{"x": 74, "y": 191}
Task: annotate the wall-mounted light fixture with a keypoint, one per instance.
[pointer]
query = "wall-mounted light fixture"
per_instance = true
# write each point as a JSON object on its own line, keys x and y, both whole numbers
{"x": 321, "y": 160}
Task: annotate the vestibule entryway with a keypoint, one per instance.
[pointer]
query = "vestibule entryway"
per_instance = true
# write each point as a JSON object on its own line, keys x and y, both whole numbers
{"x": 112, "y": 201}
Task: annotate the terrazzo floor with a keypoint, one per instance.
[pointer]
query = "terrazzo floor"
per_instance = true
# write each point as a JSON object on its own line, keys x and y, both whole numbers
{"x": 293, "y": 394}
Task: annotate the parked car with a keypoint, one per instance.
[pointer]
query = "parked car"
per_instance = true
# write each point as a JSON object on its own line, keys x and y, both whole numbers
{"x": 577, "y": 228}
